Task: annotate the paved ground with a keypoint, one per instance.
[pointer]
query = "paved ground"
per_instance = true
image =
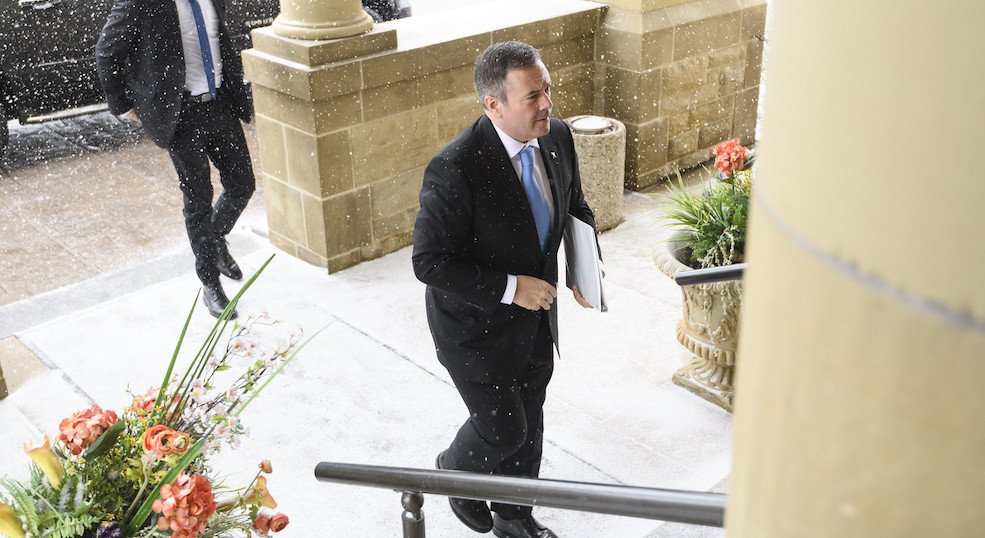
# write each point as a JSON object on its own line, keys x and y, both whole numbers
{"x": 83, "y": 197}
{"x": 89, "y": 195}
{"x": 368, "y": 389}
{"x": 96, "y": 279}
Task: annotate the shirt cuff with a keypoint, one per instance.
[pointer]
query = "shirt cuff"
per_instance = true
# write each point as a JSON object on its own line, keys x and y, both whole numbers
{"x": 510, "y": 292}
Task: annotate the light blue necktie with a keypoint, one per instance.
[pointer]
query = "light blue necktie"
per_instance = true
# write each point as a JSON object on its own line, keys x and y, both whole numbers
{"x": 542, "y": 213}
{"x": 203, "y": 42}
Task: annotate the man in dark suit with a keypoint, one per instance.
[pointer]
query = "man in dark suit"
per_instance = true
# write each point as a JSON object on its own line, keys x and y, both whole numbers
{"x": 170, "y": 64}
{"x": 485, "y": 243}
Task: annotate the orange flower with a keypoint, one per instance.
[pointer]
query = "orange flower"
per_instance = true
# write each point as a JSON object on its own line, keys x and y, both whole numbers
{"x": 185, "y": 506}
{"x": 730, "y": 156}
{"x": 83, "y": 428}
{"x": 155, "y": 439}
{"x": 164, "y": 440}
{"x": 266, "y": 523}
{"x": 266, "y": 466}
{"x": 48, "y": 462}
{"x": 145, "y": 402}
{"x": 278, "y": 522}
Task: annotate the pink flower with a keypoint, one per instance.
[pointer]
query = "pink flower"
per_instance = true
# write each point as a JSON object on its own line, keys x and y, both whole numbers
{"x": 266, "y": 466}
{"x": 730, "y": 156}
{"x": 185, "y": 506}
{"x": 83, "y": 428}
{"x": 266, "y": 523}
{"x": 145, "y": 402}
{"x": 262, "y": 522}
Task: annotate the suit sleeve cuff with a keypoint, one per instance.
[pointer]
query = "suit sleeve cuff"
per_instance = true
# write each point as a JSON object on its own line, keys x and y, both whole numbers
{"x": 510, "y": 292}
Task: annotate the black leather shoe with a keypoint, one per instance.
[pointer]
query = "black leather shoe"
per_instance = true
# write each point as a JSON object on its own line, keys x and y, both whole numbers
{"x": 215, "y": 300}
{"x": 225, "y": 263}
{"x": 474, "y": 514}
{"x": 527, "y": 527}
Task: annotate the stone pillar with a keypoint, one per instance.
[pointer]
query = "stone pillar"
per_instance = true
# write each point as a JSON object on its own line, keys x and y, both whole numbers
{"x": 307, "y": 94}
{"x": 861, "y": 411}
{"x": 321, "y": 19}
{"x": 682, "y": 75}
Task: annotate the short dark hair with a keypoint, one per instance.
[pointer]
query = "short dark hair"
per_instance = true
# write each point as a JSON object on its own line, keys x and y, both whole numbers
{"x": 495, "y": 62}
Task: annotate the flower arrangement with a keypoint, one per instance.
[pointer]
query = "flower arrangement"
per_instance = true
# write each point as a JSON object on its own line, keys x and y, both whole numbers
{"x": 145, "y": 471}
{"x": 714, "y": 221}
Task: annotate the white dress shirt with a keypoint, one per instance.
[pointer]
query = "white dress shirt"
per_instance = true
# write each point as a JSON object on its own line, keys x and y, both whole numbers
{"x": 196, "y": 81}
{"x": 513, "y": 148}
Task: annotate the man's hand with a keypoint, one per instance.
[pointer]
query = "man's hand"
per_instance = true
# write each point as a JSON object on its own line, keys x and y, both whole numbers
{"x": 132, "y": 115}
{"x": 580, "y": 298}
{"x": 533, "y": 293}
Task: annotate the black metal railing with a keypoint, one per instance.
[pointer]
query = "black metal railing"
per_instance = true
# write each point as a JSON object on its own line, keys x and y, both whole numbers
{"x": 711, "y": 274}
{"x": 692, "y": 507}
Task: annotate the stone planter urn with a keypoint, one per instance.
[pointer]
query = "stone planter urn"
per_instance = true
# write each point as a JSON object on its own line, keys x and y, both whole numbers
{"x": 709, "y": 329}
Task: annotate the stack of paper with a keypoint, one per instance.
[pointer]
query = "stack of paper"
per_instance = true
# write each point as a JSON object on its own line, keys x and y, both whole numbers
{"x": 584, "y": 265}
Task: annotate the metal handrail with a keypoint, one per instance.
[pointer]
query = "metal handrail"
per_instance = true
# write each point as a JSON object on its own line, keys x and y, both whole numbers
{"x": 711, "y": 274}
{"x": 692, "y": 507}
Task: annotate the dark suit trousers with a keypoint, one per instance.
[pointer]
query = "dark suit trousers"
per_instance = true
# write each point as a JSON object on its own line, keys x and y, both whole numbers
{"x": 209, "y": 132}
{"x": 504, "y": 434}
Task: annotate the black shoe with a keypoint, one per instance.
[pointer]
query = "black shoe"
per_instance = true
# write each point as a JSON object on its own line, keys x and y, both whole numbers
{"x": 527, "y": 527}
{"x": 215, "y": 300}
{"x": 225, "y": 263}
{"x": 474, "y": 514}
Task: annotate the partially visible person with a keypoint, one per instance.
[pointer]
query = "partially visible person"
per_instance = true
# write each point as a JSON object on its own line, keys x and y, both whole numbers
{"x": 170, "y": 65}
{"x": 494, "y": 204}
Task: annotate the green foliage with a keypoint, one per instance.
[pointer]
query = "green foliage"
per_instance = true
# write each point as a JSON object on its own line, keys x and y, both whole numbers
{"x": 116, "y": 480}
{"x": 105, "y": 441}
{"x": 48, "y": 512}
{"x": 714, "y": 220}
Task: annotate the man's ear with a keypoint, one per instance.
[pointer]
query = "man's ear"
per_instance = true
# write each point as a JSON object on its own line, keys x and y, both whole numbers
{"x": 493, "y": 106}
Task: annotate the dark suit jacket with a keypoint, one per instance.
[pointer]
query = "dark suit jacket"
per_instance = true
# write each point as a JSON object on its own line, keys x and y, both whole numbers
{"x": 141, "y": 65}
{"x": 475, "y": 226}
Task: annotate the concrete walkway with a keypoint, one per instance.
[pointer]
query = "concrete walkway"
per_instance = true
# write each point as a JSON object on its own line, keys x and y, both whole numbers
{"x": 369, "y": 389}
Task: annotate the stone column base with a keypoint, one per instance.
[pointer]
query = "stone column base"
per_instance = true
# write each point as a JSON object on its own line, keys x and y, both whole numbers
{"x": 691, "y": 379}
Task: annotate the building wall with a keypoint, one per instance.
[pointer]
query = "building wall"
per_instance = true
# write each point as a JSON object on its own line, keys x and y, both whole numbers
{"x": 682, "y": 76}
{"x": 347, "y": 126}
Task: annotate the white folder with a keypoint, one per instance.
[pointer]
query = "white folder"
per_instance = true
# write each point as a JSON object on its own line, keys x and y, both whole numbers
{"x": 583, "y": 264}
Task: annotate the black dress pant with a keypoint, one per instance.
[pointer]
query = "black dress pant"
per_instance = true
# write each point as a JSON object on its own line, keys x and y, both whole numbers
{"x": 209, "y": 132}
{"x": 504, "y": 434}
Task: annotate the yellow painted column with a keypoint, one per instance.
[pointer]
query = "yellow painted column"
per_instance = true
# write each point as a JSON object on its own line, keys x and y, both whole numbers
{"x": 860, "y": 410}
{"x": 321, "y": 19}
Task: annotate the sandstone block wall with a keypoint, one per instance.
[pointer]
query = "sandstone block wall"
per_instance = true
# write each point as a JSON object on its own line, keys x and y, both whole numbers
{"x": 682, "y": 76}
{"x": 347, "y": 127}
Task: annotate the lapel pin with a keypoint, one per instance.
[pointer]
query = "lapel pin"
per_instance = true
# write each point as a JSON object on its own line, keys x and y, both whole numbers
{"x": 553, "y": 155}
